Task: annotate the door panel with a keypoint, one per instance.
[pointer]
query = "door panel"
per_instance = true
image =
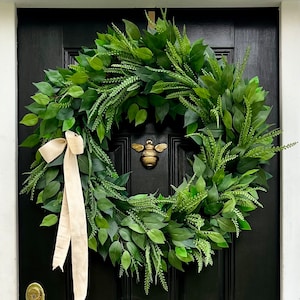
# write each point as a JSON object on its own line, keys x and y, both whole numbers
{"x": 249, "y": 269}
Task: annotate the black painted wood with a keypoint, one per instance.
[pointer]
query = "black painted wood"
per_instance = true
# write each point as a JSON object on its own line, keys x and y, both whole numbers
{"x": 250, "y": 268}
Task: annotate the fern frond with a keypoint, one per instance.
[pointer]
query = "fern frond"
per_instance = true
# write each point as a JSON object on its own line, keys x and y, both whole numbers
{"x": 237, "y": 227}
{"x": 246, "y": 132}
{"x": 241, "y": 68}
{"x": 195, "y": 221}
{"x": 199, "y": 259}
{"x": 189, "y": 105}
{"x": 31, "y": 181}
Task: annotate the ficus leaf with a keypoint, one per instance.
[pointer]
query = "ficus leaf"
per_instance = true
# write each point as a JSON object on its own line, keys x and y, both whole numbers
{"x": 115, "y": 252}
{"x": 45, "y": 88}
{"x": 132, "y": 111}
{"x": 125, "y": 260}
{"x": 29, "y": 120}
{"x": 41, "y": 99}
{"x": 92, "y": 243}
{"x": 68, "y": 124}
{"x": 156, "y": 236}
{"x": 132, "y": 30}
{"x": 140, "y": 117}
{"x": 51, "y": 189}
{"x": 75, "y": 91}
{"x": 102, "y": 235}
{"x": 49, "y": 220}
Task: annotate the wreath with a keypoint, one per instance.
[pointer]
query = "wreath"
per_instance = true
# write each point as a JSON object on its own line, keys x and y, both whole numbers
{"x": 129, "y": 76}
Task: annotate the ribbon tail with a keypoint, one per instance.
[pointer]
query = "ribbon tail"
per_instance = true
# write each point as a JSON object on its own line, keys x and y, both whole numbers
{"x": 78, "y": 226}
{"x": 79, "y": 267}
{"x": 63, "y": 236}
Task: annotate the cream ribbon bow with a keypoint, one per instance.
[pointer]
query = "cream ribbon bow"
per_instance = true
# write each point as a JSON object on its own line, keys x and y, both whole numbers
{"x": 72, "y": 224}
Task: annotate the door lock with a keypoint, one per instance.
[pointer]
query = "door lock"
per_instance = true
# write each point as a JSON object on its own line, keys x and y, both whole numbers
{"x": 35, "y": 291}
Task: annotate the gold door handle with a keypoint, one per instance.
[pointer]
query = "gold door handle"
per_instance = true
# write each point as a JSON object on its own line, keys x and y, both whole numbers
{"x": 35, "y": 291}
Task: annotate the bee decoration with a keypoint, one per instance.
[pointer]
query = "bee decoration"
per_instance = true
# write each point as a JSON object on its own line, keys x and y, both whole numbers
{"x": 149, "y": 156}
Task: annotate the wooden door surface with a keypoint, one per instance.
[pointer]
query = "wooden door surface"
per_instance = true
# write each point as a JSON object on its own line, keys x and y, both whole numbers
{"x": 249, "y": 269}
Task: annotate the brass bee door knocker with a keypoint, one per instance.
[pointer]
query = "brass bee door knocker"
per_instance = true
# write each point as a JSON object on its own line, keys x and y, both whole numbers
{"x": 149, "y": 156}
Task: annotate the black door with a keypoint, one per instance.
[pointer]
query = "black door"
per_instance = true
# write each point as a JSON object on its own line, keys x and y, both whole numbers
{"x": 250, "y": 268}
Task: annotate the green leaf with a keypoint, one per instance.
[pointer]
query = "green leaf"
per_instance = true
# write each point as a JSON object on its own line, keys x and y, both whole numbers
{"x": 75, "y": 91}
{"x": 140, "y": 117}
{"x": 88, "y": 99}
{"x": 197, "y": 55}
{"x": 47, "y": 127}
{"x": 125, "y": 260}
{"x": 132, "y": 30}
{"x": 31, "y": 141}
{"x": 41, "y": 99}
{"x": 218, "y": 239}
{"x": 55, "y": 77}
{"x": 45, "y": 88}
{"x": 65, "y": 113}
{"x": 190, "y": 117}
{"x": 226, "y": 225}
{"x": 49, "y": 220}
{"x": 162, "y": 111}
{"x": 36, "y": 108}
{"x": 244, "y": 225}
{"x": 51, "y": 111}
{"x": 101, "y": 222}
{"x": 135, "y": 227}
{"x": 153, "y": 220}
{"x": 139, "y": 239}
{"x": 212, "y": 208}
{"x": 101, "y": 132}
{"x": 180, "y": 234}
{"x": 51, "y": 174}
{"x": 79, "y": 77}
{"x": 115, "y": 252}
{"x": 92, "y": 243}
{"x": 192, "y": 128}
{"x": 200, "y": 184}
{"x": 198, "y": 166}
{"x": 238, "y": 119}
{"x": 132, "y": 111}
{"x": 102, "y": 235}
{"x": 202, "y": 92}
{"x": 181, "y": 251}
{"x": 53, "y": 206}
{"x": 51, "y": 190}
{"x": 83, "y": 164}
{"x": 157, "y": 100}
{"x": 96, "y": 63}
{"x": 68, "y": 124}
{"x": 29, "y": 120}
{"x": 227, "y": 119}
{"x": 213, "y": 194}
{"x": 104, "y": 204}
{"x": 125, "y": 234}
{"x": 156, "y": 236}
{"x": 229, "y": 206}
{"x": 174, "y": 261}
{"x": 143, "y": 53}
{"x": 134, "y": 251}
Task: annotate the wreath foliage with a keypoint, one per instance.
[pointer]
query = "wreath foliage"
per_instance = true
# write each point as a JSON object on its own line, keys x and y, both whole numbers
{"x": 125, "y": 76}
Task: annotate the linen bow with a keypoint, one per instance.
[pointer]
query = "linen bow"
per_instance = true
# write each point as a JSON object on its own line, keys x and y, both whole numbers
{"x": 72, "y": 226}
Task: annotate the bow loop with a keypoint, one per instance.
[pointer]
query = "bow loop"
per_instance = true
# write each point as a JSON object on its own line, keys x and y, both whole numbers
{"x": 75, "y": 142}
{"x": 53, "y": 149}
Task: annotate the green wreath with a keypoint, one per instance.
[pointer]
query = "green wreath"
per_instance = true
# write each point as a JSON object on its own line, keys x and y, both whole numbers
{"x": 128, "y": 76}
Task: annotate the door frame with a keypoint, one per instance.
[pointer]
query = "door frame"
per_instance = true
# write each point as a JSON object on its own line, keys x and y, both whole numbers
{"x": 290, "y": 160}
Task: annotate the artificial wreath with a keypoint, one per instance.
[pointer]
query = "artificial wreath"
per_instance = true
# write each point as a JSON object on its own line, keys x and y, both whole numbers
{"x": 126, "y": 76}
